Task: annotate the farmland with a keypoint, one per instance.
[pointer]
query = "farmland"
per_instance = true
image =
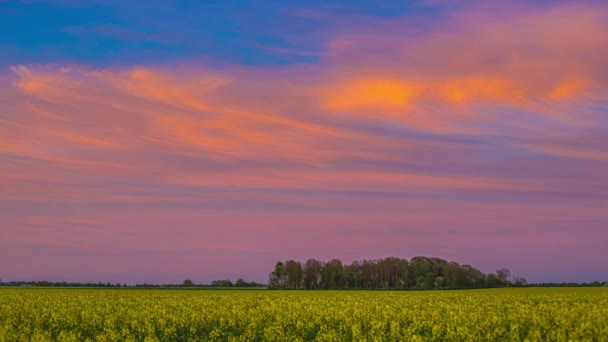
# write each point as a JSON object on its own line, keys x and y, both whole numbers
{"x": 43, "y": 314}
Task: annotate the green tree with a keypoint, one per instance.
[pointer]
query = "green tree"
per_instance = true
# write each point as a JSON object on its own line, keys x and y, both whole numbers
{"x": 439, "y": 282}
{"x": 277, "y": 277}
{"x": 352, "y": 276}
{"x": 503, "y": 275}
{"x": 222, "y": 283}
{"x": 492, "y": 280}
{"x": 522, "y": 282}
{"x": 293, "y": 274}
{"x": 332, "y": 274}
{"x": 312, "y": 274}
{"x": 389, "y": 273}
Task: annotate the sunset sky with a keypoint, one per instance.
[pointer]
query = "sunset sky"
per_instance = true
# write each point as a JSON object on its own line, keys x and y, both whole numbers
{"x": 207, "y": 140}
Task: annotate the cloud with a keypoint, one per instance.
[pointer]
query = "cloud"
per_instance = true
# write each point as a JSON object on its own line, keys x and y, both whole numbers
{"x": 504, "y": 83}
{"x": 547, "y": 55}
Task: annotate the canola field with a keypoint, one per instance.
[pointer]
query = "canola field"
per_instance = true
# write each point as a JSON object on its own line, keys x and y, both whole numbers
{"x": 532, "y": 314}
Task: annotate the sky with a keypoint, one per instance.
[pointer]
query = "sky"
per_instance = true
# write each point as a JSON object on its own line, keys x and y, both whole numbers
{"x": 154, "y": 142}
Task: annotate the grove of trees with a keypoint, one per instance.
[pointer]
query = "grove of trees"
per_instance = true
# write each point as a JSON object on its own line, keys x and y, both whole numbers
{"x": 390, "y": 273}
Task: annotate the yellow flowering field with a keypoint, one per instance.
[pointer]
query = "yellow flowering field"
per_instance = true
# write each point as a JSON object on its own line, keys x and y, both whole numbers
{"x": 513, "y": 314}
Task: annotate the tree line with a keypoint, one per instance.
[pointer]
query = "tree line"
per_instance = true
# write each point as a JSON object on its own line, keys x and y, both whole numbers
{"x": 390, "y": 273}
{"x": 240, "y": 283}
{"x": 223, "y": 283}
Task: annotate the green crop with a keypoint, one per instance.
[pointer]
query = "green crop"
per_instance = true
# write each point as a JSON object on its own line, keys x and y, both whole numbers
{"x": 534, "y": 314}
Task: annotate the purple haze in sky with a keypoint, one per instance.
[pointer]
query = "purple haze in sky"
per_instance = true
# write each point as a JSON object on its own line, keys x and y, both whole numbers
{"x": 153, "y": 144}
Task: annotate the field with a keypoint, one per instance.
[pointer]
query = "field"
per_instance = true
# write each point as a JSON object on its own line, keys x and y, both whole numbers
{"x": 533, "y": 314}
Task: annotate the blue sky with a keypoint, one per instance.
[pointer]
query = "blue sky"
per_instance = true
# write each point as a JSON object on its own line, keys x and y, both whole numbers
{"x": 117, "y": 32}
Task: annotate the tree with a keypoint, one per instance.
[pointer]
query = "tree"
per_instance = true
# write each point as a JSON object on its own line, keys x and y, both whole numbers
{"x": 439, "y": 283}
{"x": 393, "y": 272}
{"x": 312, "y": 274}
{"x": 369, "y": 279}
{"x": 277, "y": 278}
{"x": 522, "y": 282}
{"x": 473, "y": 276}
{"x": 331, "y": 274}
{"x": 420, "y": 267}
{"x": 492, "y": 280}
{"x": 352, "y": 276}
{"x": 388, "y": 273}
{"x": 293, "y": 274}
{"x": 503, "y": 275}
{"x": 222, "y": 283}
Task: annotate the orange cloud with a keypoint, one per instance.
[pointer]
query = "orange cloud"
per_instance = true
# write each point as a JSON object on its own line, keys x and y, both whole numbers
{"x": 155, "y": 85}
{"x": 571, "y": 87}
{"x": 514, "y": 59}
{"x": 469, "y": 89}
{"x": 371, "y": 94}
{"x": 397, "y": 118}
{"x": 49, "y": 82}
